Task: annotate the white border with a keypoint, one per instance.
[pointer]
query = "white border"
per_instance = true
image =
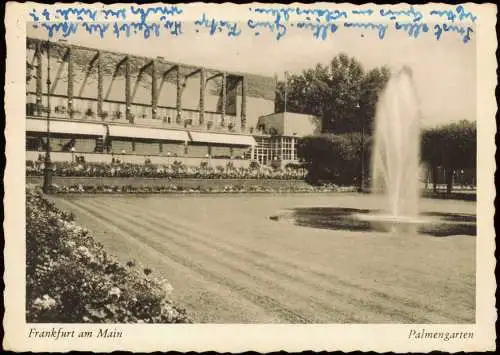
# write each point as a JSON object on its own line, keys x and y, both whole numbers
{"x": 237, "y": 338}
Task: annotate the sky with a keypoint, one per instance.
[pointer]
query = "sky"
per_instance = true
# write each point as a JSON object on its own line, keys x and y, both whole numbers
{"x": 444, "y": 71}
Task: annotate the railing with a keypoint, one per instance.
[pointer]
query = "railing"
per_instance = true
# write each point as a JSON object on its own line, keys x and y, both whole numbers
{"x": 141, "y": 114}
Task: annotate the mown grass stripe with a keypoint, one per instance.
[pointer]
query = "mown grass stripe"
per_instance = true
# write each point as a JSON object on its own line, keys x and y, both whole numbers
{"x": 259, "y": 298}
{"x": 357, "y": 305}
{"x": 379, "y": 302}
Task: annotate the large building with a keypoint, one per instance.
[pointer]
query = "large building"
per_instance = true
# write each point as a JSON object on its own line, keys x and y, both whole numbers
{"x": 106, "y": 105}
{"x": 278, "y": 135}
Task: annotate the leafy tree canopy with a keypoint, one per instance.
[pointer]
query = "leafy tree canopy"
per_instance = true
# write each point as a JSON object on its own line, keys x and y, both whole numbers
{"x": 341, "y": 94}
{"x": 333, "y": 157}
{"x": 452, "y": 145}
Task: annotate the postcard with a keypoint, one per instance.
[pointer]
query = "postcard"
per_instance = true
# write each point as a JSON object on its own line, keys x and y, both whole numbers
{"x": 250, "y": 177}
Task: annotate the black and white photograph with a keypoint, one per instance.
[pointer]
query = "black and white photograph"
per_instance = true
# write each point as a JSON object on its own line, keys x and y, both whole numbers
{"x": 291, "y": 165}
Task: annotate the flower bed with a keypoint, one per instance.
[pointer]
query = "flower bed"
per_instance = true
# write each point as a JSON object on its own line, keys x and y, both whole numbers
{"x": 70, "y": 278}
{"x": 172, "y": 188}
{"x": 174, "y": 170}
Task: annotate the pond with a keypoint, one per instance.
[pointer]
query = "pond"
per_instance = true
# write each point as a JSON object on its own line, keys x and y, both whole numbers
{"x": 438, "y": 224}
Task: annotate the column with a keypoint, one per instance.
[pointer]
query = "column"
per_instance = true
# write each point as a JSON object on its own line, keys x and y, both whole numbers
{"x": 282, "y": 149}
{"x": 202, "y": 95}
{"x": 70, "y": 81}
{"x": 154, "y": 89}
{"x": 127, "y": 91}
{"x": 244, "y": 84}
{"x": 223, "y": 109}
{"x": 49, "y": 83}
{"x": 39, "y": 84}
{"x": 179, "y": 95}
{"x": 100, "y": 90}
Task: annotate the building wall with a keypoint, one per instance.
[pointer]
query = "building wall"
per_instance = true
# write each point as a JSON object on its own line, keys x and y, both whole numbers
{"x": 61, "y": 143}
{"x": 171, "y": 149}
{"x": 136, "y": 159}
{"x": 122, "y": 146}
{"x": 260, "y": 101}
{"x": 130, "y": 146}
{"x": 296, "y": 124}
{"x": 260, "y": 89}
{"x": 196, "y": 150}
{"x": 273, "y": 121}
{"x": 146, "y": 148}
{"x": 291, "y": 124}
{"x": 275, "y": 150}
{"x": 85, "y": 145}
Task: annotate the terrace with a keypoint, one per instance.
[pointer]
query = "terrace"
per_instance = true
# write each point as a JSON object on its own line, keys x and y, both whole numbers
{"x": 86, "y": 84}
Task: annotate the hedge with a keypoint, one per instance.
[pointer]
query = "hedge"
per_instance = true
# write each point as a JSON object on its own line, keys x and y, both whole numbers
{"x": 70, "y": 278}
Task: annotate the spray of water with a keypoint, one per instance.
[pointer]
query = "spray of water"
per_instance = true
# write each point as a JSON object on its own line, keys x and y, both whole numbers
{"x": 395, "y": 166}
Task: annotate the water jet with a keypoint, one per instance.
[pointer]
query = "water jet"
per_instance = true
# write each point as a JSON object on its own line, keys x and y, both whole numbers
{"x": 395, "y": 177}
{"x": 396, "y": 158}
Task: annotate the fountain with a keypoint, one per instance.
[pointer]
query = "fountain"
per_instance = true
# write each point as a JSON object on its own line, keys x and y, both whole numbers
{"x": 396, "y": 153}
{"x": 395, "y": 176}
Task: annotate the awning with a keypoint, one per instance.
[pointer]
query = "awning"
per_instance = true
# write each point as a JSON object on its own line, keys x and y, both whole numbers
{"x": 148, "y": 133}
{"x": 91, "y": 129}
{"x": 230, "y": 139}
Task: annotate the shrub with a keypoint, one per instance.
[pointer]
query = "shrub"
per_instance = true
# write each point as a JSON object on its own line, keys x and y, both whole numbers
{"x": 294, "y": 166}
{"x": 188, "y": 122}
{"x": 70, "y": 278}
{"x": 254, "y": 165}
{"x": 117, "y": 115}
{"x": 334, "y": 158}
{"x": 60, "y": 109}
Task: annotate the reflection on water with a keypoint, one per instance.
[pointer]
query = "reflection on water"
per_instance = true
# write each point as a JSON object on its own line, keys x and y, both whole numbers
{"x": 434, "y": 223}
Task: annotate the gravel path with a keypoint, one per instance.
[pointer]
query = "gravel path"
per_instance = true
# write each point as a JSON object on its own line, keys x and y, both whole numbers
{"x": 228, "y": 263}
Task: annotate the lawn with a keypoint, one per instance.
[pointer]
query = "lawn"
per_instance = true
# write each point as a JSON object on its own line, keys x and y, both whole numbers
{"x": 229, "y": 263}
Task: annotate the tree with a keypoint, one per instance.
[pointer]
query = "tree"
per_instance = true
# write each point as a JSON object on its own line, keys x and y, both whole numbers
{"x": 452, "y": 146}
{"x": 431, "y": 152}
{"x": 304, "y": 91}
{"x": 342, "y": 95}
{"x": 332, "y": 157}
{"x": 373, "y": 84}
